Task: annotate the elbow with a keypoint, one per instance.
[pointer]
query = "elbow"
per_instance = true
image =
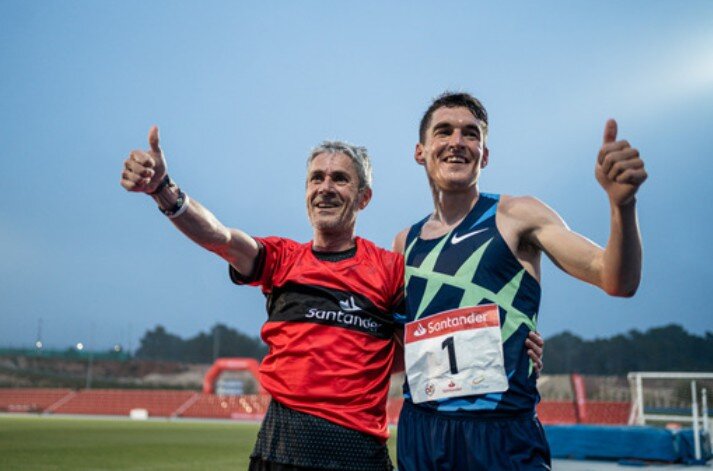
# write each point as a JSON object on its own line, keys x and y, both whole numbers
{"x": 621, "y": 293}
{"x": 622, "y": 290}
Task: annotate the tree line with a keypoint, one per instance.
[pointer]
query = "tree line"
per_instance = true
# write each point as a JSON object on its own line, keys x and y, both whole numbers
{"x": 668, "y": 348}
{"x": 220, "y": 341}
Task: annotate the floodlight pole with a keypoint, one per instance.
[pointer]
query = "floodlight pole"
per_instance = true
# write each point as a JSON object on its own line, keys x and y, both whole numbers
{"x": 88, "y": 384}
{"x": 91, "y": 357}
{"x": 38, "y": 342}
{"x": 216, "y": 342}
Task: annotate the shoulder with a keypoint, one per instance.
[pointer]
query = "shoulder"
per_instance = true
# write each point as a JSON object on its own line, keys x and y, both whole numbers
{"x": 517, "y": 204}
{"x": 525, "y": 221}
{"x": 399, "y": 245}
{"x": 281, "y": 244}
{"x": 375, "y": 251}
{"x": 389, "y": 264}
{"x": 526, "y": 210}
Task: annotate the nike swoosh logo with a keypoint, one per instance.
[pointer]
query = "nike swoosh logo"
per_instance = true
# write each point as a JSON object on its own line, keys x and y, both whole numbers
{"x": 457, "y": 239}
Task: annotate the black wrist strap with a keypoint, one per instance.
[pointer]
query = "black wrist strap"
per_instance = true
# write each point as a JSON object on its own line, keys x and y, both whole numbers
{"x": 178, "y": 208}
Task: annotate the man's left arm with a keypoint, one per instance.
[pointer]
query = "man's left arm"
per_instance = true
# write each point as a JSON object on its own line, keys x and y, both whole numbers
{"x": 620, "y": 171}
{"x": 616, "y": 268}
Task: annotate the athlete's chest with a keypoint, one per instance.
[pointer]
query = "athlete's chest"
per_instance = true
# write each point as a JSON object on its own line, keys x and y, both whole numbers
{"x": 459, "y": 252}
{"x": 434, "y": 229}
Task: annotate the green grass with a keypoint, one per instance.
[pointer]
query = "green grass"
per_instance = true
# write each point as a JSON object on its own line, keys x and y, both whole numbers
{"x": 38, "y": 443}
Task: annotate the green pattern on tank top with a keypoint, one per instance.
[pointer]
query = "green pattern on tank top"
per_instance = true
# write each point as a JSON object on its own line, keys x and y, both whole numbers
{"x": 473, "y": 293}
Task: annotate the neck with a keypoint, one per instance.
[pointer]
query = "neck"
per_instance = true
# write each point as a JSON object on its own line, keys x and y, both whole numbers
{"x": 450, "y": 207}
{"x": 333, "y": 242}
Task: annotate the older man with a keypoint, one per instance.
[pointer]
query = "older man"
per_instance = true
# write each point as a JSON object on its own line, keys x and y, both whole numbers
{"x": 330, "y": 324}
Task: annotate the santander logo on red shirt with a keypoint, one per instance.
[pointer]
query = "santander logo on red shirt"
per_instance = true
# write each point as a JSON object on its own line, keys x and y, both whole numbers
{"x": 348, "y": 318}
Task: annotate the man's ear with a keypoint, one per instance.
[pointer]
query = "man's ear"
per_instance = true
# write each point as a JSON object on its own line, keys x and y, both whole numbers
{"x": 418, "y": 154}
{"x": 484, "y": 161}
{"x": 364, "y": 197}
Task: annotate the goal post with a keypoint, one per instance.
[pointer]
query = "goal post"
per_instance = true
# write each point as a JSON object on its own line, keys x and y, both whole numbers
{"x": 672, "y": 398}
{"x": 666, "y": 396}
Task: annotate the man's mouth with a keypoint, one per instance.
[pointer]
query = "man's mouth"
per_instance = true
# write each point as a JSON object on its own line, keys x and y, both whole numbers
{"x": 325, "y": 205}
{"x": 455, "y": 159}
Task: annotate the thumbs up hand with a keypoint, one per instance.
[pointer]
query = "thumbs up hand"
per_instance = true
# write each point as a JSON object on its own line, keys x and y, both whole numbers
{"x": 144, "y": 170}
{"x": 619, "y": 167}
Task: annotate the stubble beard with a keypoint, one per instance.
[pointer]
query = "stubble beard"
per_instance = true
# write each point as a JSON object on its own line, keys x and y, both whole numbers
{"x": 327, "y": 225}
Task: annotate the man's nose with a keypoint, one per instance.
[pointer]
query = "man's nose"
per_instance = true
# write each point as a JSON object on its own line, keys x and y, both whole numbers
{"x": 326, "y": 186}
{"x": 456, "y": 139}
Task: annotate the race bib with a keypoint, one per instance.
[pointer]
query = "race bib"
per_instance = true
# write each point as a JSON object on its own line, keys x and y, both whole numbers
{"x": 455, "y": 353}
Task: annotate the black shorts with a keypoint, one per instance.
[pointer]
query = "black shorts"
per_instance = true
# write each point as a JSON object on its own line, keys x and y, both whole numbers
{"x": 290, "y": 441}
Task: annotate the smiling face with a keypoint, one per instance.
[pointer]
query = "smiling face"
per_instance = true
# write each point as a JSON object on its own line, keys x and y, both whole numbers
{"x": 453, "y": 151}
{"x": 333, "y": 196}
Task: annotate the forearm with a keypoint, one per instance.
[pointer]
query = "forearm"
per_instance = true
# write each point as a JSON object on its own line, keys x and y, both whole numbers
{"x": 145, "y": 172}
{"x": 202, "y": 227}
{"x": 621, "y": 260}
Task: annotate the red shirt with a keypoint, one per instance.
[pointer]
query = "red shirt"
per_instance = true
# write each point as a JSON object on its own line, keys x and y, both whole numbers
{"x": 330, "y": 330}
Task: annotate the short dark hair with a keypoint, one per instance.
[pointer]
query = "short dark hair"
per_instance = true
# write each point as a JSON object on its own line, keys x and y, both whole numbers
{"x": 454, "y": 100}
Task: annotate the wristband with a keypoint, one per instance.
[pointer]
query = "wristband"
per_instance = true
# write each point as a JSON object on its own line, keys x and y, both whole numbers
{"x": 179, "y": 208}
{"x": 165, "y": 181}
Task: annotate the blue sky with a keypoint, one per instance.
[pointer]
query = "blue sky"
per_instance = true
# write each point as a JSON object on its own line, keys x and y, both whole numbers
{"x": 241, "y": 92}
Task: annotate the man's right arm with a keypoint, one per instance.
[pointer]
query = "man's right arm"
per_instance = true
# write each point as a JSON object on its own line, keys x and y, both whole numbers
{"x": 145, "y": 172}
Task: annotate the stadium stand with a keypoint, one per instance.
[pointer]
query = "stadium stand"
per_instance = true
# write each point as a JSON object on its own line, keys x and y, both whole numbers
{"x": 30, "y": 399}
{"x": 158, "y": 403}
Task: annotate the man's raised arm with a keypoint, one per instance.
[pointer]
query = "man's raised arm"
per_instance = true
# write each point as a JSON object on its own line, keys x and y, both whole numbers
{"x": 145, "y": 172}
{"x": 616, "y": 268}
{"x": 620, "y": 171}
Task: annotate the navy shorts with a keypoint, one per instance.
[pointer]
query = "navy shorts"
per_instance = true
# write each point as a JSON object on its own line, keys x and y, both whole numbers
{"x": 432, "y": 441}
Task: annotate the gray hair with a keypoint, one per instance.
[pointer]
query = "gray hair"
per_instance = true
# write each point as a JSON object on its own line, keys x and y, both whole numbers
{"x": 358, "y": 154}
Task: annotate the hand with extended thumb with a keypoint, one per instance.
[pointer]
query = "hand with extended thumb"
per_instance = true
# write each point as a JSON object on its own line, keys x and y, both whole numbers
{"x": 619, "y": 168}
{"x": 144, "y": 170}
